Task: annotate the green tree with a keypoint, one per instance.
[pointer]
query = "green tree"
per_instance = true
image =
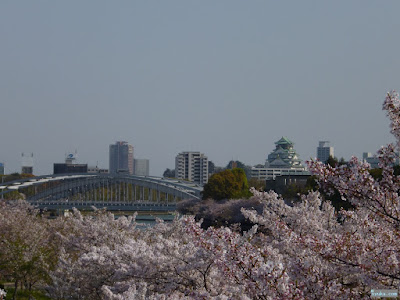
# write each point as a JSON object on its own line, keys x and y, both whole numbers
{"x": 14, "y": 176}
{"x": 168, "y": 173}
{"x": 334, "y": 162}
{"x": 228, "y": 184}
{"x": 256, "y": 183}
{"x": 235, "y": 164}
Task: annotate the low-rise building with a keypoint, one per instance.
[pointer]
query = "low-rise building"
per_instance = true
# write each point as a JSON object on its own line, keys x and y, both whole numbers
{"x": 373, "y": 160}
{"x": 281, "y": 183}
{"x": 272, "y": 173}
{"x": 69, "y": 166}
{"x": 97, "y": 170}
{"x": 63, "y": 168}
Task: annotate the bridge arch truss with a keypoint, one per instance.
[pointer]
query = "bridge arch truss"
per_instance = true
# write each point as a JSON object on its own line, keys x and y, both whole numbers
{"x": 102, "y": 190}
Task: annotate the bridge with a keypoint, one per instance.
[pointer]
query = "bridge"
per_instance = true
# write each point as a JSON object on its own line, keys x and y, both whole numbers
{"x": 111, "y": 191}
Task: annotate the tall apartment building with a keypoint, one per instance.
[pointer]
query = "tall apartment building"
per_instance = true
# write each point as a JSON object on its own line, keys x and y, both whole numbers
{"x": 141, "y": 167}
{"x": 192, "y": 166}
{"x": 121, "y": 158}
{"x": 324, "y": 151}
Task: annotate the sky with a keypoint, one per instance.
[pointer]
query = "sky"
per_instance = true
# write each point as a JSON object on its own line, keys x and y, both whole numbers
{"x": 227, "y": 78}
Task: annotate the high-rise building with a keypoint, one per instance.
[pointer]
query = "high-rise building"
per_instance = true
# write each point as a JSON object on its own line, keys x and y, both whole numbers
{"x": 121, "y": 158}
{"x": 141, "y": 167}
{"x": 1, "y": 168}
{"x": 324, "y": 151}
{"x": 192, "y": 166}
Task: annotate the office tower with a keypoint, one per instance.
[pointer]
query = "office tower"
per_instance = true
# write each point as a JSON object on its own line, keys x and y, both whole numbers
{"x": 1, "y": 168}
{"x": 192, "y": 166}
{"x": 141, "y": 167}
{"x": 121, "y": 158}
{"x": 324, "y": 151}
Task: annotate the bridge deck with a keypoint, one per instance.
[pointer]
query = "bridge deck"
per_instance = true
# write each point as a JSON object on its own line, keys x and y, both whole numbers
{"x": 112, "y": 206}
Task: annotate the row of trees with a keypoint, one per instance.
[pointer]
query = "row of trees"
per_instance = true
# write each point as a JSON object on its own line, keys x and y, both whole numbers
{"x": 308, "y": 250}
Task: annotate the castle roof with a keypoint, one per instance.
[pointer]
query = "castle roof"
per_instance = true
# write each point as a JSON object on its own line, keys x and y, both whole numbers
{"x": 283, "y": 156}
{"x": 278, "y": 163}
{"x": 283, "y": 141}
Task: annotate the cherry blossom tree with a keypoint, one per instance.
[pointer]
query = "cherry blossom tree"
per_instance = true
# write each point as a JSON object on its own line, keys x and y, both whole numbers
{"x": 3, "y": 294}
{"x": 27, "y": 251}
{"x": 308, "y": 250}
{"x": 174, "y": 261}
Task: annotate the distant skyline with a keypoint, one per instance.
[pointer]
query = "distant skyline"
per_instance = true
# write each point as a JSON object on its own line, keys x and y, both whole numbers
{"x": 227, "y": 78}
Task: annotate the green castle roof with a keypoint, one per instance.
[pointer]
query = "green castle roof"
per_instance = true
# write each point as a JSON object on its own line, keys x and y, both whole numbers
{"x": 283, "y": 141}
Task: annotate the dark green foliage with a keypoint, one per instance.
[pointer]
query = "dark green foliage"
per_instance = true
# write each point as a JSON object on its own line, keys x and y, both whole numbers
{"x": 294, "y": 191}
{"x": 334, "y": 162}
{"x": 228, "y": 184}
{"x": 235, "y": 164}
{"x": 256, "y": 183}
{"x": 169, "y": 173}
{"x": 342, "y": 162}
{"x": 376, "y": 173}
{"x": 14, "y": 176}
{"x": 238, "y": 164}
{"x": 334, "y": 197}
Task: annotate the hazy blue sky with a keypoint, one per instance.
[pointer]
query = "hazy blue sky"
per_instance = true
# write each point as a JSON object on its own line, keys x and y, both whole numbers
{"x": 227, "y": 78}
